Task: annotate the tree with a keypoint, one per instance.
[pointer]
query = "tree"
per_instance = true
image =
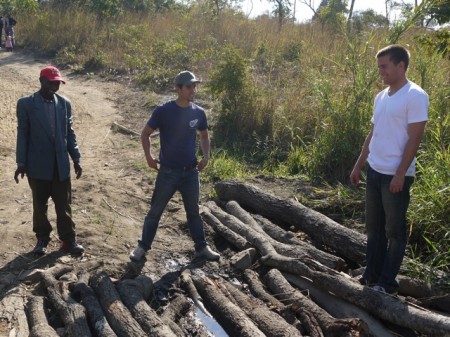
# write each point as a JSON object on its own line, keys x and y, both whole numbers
{"x": 331, "y": 12}
{"x": 281, "y": 10}
{"x": 368, "y": 19}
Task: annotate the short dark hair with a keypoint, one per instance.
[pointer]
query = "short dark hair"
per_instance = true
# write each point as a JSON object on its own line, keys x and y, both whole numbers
{"x": 396, "y": 53}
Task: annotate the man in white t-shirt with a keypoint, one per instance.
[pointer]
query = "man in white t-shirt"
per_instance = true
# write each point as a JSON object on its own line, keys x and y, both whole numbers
{"x": 400, "y": 114}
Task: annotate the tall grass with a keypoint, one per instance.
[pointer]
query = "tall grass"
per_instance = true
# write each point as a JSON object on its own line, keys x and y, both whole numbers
{"x": 295, "y": 101}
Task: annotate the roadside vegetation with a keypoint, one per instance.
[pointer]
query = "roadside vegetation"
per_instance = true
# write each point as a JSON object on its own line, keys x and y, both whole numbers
{"x": 286, "y": 99}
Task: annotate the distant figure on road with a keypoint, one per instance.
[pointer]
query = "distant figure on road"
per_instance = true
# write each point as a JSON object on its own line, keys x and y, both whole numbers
{"x": 399, "y": 118}
{"x": 178, "y": 122}
{"x": 8, "y": 43}
{"x": 9, "y": 28}
{"x": 2, "y": 23}
{"x": 45, "y": 140}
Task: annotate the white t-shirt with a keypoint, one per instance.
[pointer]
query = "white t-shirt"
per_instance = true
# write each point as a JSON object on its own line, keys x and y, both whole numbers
{"x": 391, "y": 117}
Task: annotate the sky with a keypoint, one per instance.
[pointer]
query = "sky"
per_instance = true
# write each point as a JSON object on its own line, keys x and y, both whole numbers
{"x": 253, "y": 8}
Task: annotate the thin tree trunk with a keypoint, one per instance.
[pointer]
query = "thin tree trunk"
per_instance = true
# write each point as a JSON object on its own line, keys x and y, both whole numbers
{"x": 37, "y": 318}
{"x": 86, "y": 296}
{"x": 302, "y": 249}
{"x": 330, "y": 326}
{"x": 235, "y": 322}
{"x": 120, "y": 319}
{"x": 268, "y": 321}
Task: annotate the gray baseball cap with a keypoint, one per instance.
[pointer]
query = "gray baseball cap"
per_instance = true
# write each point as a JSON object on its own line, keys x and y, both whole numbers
{"x": 186, "y": 78}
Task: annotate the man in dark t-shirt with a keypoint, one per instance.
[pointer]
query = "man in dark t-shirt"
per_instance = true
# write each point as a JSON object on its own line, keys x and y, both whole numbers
{"x": 178, "y": 122}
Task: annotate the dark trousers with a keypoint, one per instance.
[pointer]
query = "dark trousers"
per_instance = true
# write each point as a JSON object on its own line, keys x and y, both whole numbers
{"x": 61, "y": 194}
{"x": 386, "y": 229}
{"x": 168, "y": 181}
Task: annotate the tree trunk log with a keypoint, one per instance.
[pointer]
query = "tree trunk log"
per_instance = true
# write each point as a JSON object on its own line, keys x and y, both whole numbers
{"x": 337, "y": 307}
{"x": 12, "y": 311}
{"x": 258, "y": 289}
{"x": 267, "y": 321}
{"x": 230, "y": 316}
{"x": 188, "y": 285}
{"x": 299, "y": 251}
{"x": 389, "y": 308}
{"x": 234, "y": 239}
{"x": 379, "y": 304}
{"x": 441, "y": 303}
{"x": 179, "y": 306}
{"x": 321, "y": 229}
{"x": 37, "y": 318}
{"x": 86, "y": 296}
{"x": 263, "y": 242}
{"x": 330, "y": 326}
{"x": 72, "y": 313}
{"x": 120, "y": 319}
{"x": 132, "y": 295}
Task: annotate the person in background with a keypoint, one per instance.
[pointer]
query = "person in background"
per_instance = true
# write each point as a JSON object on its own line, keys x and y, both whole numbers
{"x": 398, "y": 124}
{"x": 9, "y": 29}
{"x": 45, "y": 140}
{"x": 178, "y": 122}
{"x": 1, "y": 28}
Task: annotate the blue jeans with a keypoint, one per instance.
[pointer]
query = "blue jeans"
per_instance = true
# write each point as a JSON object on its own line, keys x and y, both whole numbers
{"x": 386, "y": 229}
{"x": 167, "y": 183}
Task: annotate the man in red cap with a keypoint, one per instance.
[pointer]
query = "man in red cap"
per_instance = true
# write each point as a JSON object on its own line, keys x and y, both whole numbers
{"x": 45, "y": 140}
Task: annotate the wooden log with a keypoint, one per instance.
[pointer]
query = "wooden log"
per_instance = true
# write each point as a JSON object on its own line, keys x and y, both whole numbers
{"x": 441, "y": 303}
{"x": 132, "y": 295}
{"x": 118, "y": 316}
{"x": 178, "y": 307}
{"x": 299, "y": 250}
{"x": 37, "y": 318}
{"x": 330, "y": 326}
{"x": 389, "y": 308}
{"x": 277, "y": 232}
{"x": 258, "y": 290}
{"x": 321, "y": 229}
{"x": 379, "y": 304}
{"x": 84, "y": 294}
{"x": 188, "y": 285}
{"x": 12, "y": 312}
{"x": 267, "y": 321}
{"x": 337, "y": 307}
{"x": 249, "y": 233}
{"x": 232, "y": 237}
{"x": 72, "y": 313}
{"x": 417, "y": 288}
{"x": 235, "y": 322}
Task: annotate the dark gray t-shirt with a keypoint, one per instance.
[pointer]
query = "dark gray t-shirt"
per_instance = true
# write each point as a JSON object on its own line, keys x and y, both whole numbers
{"x": 178, "y": 131}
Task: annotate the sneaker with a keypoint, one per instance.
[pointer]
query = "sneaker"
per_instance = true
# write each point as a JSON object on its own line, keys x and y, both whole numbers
{"x": 41, "y": 247}
{"x": 138, "y": 253}
{"x": 72, "y": 247}
{"x": 207, "y": 253}
{"x": 383, "y": 290}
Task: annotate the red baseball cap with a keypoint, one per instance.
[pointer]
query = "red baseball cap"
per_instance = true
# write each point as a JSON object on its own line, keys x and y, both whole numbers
{"x": 52, "y": 74}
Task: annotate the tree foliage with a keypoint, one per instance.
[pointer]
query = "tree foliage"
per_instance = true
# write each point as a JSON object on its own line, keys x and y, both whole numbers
{"x": 14, "y": 6}
{"x": 331, "y": 12}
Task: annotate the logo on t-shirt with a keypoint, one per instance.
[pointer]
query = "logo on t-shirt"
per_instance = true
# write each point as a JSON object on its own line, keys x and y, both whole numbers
{"x": 193, "y": 123}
